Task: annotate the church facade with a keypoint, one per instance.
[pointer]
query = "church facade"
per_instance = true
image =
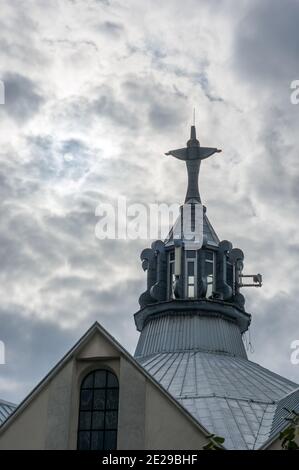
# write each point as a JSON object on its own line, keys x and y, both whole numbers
{"x": 190, "y": 380}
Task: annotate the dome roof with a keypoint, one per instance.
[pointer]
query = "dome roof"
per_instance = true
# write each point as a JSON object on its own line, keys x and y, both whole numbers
{"x": 6, "y": 408}
{"x": 232, "y": 397}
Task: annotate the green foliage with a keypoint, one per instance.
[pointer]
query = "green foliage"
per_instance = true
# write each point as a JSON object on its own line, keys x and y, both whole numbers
{"x": 288, "y": 436}
{"x": 215, "y": 443}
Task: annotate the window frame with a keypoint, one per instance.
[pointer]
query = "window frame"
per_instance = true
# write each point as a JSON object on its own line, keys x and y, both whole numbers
{"x": 170, "y": 274}
{"x": 188, "y": 282}
{"x": 213, "y": 263}
{"x": 229, "y": 264}
{"x": 93, "y": 410}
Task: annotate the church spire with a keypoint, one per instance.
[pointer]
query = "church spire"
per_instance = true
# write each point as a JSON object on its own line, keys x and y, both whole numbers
{"x": 193, "y": 277}
{"x": 192, "y": 155}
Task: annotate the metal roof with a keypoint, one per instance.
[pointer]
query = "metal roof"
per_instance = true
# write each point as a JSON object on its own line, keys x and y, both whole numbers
{"x": 284, "y": 410}
{"x": 231, "y": 396}
{"x": 179, "y": 332}
{"x": 94, "y": 329}
{"x": 6, "y": 408}
{"x": 208, "y": 231}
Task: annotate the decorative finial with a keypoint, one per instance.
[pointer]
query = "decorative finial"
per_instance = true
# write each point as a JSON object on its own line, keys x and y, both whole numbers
{"x": 194, "y": 117}
{"x": 192, "y": 155}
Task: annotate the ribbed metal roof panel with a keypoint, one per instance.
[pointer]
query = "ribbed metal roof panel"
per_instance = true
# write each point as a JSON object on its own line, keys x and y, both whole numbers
{"x": 6, "y": 408}
{"x": 284, "y": 410}
{"x": 208, "y": 231}
{"x": 170, "y": 333}
{"x": 231, "y": 396}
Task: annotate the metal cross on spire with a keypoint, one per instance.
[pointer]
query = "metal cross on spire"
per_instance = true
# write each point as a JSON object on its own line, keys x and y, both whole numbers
{"x": 192, "y": 155}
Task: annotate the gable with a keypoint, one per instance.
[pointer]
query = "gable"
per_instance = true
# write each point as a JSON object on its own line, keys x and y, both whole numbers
{"x": 97, "y": 348}
{"x": 51, "y": 410}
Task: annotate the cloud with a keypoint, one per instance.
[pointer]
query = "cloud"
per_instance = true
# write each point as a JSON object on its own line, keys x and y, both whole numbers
{"x": 274, "y": 328}
{"x": 29, "y": 351}
{"x": 111, "y": 28}
{"x": 22, "y": 97}
{"x": 106, "y": 106}
{"x": 268, "y": 42}
{"x": 95, "y": 96}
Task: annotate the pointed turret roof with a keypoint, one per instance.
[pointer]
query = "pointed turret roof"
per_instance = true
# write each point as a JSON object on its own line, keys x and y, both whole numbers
{"x": 192, "y": 154}
{"x": 210, "y": 236}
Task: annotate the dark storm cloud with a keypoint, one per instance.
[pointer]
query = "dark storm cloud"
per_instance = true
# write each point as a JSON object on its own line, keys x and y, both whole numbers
{"x": 109, "y": 298}
{"x": 33, "y": 252}
{"x": 29, "y": 351}
{"x": 206, "y": 87}
{"x": 272, "y": 184}
{"x": 22, "y": 97}
{"x": 115, "y": 106}
{"x": 34, "y": 345}
{"x": 274, "y": 327}
{"x": 73, "y": 146}
{"x": 107, "y": 106}
{"x": 267, "y": 41}
{"x": 18, "y": 38}
{"x": 142, "y": 98}
{"x": 111, "y": 28}
{"x": 163, "y": 105}
{"x": 161, "y": 117}
{"x": 265, "y": 59}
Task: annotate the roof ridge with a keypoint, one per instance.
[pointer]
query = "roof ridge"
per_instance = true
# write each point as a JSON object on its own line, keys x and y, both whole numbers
{"x": 80, "y": 343}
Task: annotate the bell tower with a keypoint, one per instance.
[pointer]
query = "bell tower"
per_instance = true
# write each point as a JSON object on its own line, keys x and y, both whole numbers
{"x": 193, "y": 299}
{"x": 192, "y": 319}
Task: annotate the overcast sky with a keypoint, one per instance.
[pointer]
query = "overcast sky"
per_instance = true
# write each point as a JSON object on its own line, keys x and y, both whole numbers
{"x": 96, "y": 92}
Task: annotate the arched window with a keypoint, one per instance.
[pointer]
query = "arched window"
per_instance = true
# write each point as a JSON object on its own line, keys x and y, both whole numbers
{"x": 98, "y": 411}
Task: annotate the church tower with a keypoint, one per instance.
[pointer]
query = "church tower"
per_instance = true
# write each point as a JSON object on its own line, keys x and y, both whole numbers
{"x": 192, "y": 320}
